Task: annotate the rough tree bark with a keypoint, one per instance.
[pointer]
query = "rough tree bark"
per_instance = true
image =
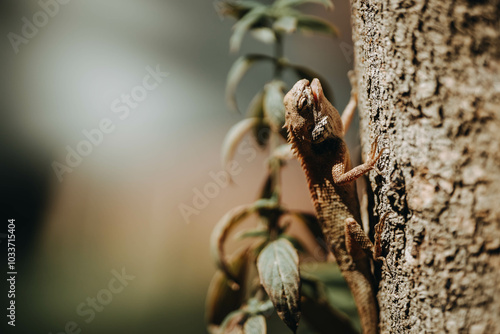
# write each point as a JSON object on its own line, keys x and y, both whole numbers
{"x": 428, "y": 73}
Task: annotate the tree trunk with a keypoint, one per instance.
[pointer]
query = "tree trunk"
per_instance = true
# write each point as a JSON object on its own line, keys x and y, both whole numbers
{"x": 428, "y": 73}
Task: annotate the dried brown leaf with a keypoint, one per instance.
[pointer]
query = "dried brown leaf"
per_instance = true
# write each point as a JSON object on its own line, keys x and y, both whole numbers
{"x": 234, "y": 137}
{"x": 236, "y": 73}
{"x": 219, "y": 236}
{"x": 223, "y": 297}
{"x": 243, "y": 25}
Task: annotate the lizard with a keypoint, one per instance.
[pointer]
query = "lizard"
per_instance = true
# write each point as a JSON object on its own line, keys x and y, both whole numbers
{"x": 315, "y": 132}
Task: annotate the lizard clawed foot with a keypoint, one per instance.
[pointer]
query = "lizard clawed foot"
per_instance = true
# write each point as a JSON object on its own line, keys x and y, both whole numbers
{"x": 373, "y": 156}
{"x": 359, "y": 245}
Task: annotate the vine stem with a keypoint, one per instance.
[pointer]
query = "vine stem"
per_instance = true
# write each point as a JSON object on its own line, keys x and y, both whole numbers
{"x": 274, "y": 142}
{"x": 278, "y": 54}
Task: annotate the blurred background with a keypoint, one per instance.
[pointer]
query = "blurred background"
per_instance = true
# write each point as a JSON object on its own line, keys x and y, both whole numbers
{"x": 119, "y": 209}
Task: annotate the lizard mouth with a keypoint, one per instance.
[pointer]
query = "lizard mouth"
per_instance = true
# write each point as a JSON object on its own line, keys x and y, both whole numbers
{"x": 311, "y": 97}
{"x": 316, "y": 89}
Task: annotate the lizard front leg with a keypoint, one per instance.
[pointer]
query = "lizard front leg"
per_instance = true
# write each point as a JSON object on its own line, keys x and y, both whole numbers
{"x": 340, "y": 177}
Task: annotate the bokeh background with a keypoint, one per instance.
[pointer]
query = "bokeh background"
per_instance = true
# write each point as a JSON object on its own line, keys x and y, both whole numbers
{"x": 120, "y": 207}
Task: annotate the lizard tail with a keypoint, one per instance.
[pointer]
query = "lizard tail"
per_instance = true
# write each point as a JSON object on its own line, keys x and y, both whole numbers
{"x": 365, "y": 300}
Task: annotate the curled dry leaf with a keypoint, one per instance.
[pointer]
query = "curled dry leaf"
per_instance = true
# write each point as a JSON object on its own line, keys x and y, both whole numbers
{"x": 219, "y": 235}
{"x": 226, "y": 224}
{"x": 308, "y": 23}
{"x": 222, "y": 298}
{"x": 236, "y": 9}
{"x": 236, "y": 73}
{"x": 248, "y": 21}
{"x": 234, "y": 137}
{"x": 278, "y": 266}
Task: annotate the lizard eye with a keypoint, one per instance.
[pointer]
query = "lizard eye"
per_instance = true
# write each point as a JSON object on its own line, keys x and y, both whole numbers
{"x": 302, "y": 102}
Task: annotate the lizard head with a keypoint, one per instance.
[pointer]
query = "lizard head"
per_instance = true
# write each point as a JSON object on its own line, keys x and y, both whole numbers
{"x": 309, "y": 115}
{"x": 300, "y": 105}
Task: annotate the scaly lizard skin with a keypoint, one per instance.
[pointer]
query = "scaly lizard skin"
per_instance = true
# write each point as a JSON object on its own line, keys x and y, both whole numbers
{"x": 316, "y": 131}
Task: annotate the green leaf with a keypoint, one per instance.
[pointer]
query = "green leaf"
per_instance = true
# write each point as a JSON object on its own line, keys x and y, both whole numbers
{"x": 234, "y": 137}
{"x": 236, "y": 73}
{"x": 233, "y": 324}
{"x": 219, "y": 236}
{"x": 286, "y": 3}
{"x": 236, "y": 9}
{"x": 286, "y": 24}
{"x": 278, "y": 266}
{"x": 294, "y": 241}
{"x": 264, "y": 34}
{"x": 255, "y": 325}
{"x": 283, "y": 153}
{"x": 243, "y": 25}
{"x": 308, "y": 23}
{"x": 267, "y": 204}
{"x": 261, "y": 131}
{"x": 265, "y": 308}
{"x": 331, "y": 286}
{"x": 254, "y": 234}
{"x": 318, "y": 312}
{"x": 312, "y": 224}
{"x": 274, "y": 109}
{"x": 227, "y": 223}
{"x": 324, "y": 272}
{"x": 222, "y": 298}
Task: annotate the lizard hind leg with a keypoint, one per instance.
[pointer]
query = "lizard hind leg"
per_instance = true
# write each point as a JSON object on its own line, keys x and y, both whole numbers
{"x": 358, "y": 244}
{"x": 357, "y": 241}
